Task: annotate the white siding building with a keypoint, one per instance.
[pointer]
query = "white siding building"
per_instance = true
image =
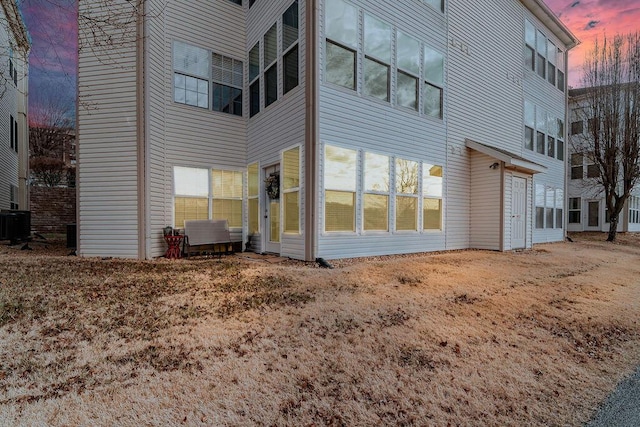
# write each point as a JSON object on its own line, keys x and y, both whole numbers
{"x": 14, "y": 144}
{"x": 587, "y": 207}
{"x": 326, "y": 128}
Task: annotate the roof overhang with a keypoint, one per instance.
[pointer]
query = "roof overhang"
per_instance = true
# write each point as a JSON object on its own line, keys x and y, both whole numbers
{"x": 511, "y": 161}
{"x": 541, "y": 11}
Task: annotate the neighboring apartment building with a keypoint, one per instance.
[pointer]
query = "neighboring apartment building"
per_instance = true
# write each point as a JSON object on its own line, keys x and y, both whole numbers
{"x": 326, "y": 128}
{"x": 587, "y": 208}
{"x": 14, "y": 146}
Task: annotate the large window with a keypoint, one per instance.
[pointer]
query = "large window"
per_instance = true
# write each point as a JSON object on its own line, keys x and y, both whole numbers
{"x": 291, "y": 190}
{"x": 543, "y": 56}
{"x": 434, "y": 82}
{"x": 575, "y": 210}
{"x": 191, "y": 191}
{"x": 549, "y": 207}
{"x": 438, "y": 4}
{"x": 377, "y": 51}
{"x": 593, "y": 170}
{"x": 204, "y": 194}
{"x": 406, "y": 195}
{"x": 376, "y": 192}
{"x": 340, "y": 189}
{"x": 432, "y": 197}
{"x": 342, "y": 41}
{"x": 253, "y": 199}
{"x": 543, "y": 132}
{"x": 13, "y": 133}
{"x": 197, "y": 72}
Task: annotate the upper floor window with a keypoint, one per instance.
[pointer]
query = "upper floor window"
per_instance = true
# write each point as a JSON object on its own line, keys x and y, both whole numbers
{"x": 543, "y": 56}
{"x": 543, "y": 132}
{"x": 207, "y": 80}
{"x": 434, "y": 82}
{"x": 290, "y": 59}
{"x": 251, "y": 2}
{"x": 227, "y": 84}
{"x": 408, "y": 71}
{"x": 238, "y": 2}
{"x": 342, "y": 42}
{"x": 577, "y": 127}
{"x": 13, "y": 71}
{"x": 377, "y": 58}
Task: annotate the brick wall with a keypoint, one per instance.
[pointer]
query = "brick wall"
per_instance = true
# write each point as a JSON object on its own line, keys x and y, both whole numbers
{"x": 52, "y": 208}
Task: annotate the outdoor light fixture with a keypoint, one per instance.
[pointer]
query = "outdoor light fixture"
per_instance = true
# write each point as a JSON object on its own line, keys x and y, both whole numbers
{"x": 494, "y": 166}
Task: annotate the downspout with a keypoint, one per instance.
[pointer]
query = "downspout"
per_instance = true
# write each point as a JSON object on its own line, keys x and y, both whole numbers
{"x": 311, "y": 129}
{"x": 140, "y": 129}
{"x": 565, "y": 199}
{"x": 78, "y": 154}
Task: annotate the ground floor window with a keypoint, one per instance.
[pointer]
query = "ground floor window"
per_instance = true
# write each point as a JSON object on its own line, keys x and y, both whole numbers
{"x": 549, "y": 203}
{"x": 371, "y": 192}
{"x": 634, "y": 210}
{"x": 201, "y": 193}
{"x": 253, "y": 199}
{"x": 575, "y": 212}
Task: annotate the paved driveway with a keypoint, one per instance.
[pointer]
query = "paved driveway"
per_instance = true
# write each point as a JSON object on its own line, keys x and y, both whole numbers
{"x": 622, "y": 408}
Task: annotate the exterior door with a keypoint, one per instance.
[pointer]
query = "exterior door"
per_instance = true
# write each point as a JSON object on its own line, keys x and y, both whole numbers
{"x": 518, "y": 212}
{"x": 593, "y": 215}
{"x": 271, "y": 223}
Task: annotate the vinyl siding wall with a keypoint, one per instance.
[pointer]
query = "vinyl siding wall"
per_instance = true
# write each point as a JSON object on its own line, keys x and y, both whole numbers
{"x": 184, "y": 135}
{"x": 9, "y": 105}
{"x": 107, "y": 135}
{"x": 384, "y": 129}
{"x": 281, "y": 125}
{"x": 486, "y": 203}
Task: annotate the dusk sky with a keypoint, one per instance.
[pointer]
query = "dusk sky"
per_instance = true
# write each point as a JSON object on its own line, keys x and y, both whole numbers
{"x": 52, "y": 26}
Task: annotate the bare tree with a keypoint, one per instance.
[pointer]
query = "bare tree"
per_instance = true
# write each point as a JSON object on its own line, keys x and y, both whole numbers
{"x": 611, "y": 104}
{"x": 51, "y": 138}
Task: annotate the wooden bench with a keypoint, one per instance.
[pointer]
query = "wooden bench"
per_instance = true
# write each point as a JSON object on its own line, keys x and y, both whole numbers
{"x": 205, "y": 236}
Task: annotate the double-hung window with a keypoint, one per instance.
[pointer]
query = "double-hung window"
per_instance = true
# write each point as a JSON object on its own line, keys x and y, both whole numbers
{"x": 192, "y": 71}
{"x": 529, "y": 124}
{"x": 575, "y": 210}
{"x": 593, "y": 170}
{"x": 551, "y": 62}
{"x": 376, "y": 192}
{"x": 559, "y": 208}
{"x": 341, "y": 44}
{"x": 541, "y": 61}
{"x": 377, "y": 58}
{"x": 434, "y": 82}
{"x": 227, "y": 84}
{"x": 576, "y": 166}
{"x": 408, "y": 71}
{"x": 227, "y": 196}
{"x": 552, "y": 128}
{"x": 540, "y": 199}
{"x": 253, "y": 192}
{"x": 431, "y": 197}
{"x": 340, "y": 189}
{"x": 530, "y": 46}
{"x": 290, "y": 47}
{"x": 191, "y": 191}
{"x": 560, "y": 140}
{"x": 271, "y": 66}
{"x": 406, "y": 195}
{"x": 291, "y": 190}
{"x": 541, "y": 126}
{"x": 254, "y": 80}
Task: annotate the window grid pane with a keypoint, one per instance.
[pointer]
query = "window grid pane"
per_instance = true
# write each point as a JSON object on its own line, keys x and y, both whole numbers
{"x": 340, "y": 211}
{"x": 406, "y": 213}
{"x": 292, "y": 212}
{"x": 376, "y": 79}
{"x": 189, "y": 208}
{"x": 376, "y": 212}
{"x": 341, "y": 66}
{"x": 432, "y": 214}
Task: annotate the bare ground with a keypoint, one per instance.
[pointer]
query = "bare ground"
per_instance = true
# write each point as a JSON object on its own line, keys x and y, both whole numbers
{"x": 536, "y": 337}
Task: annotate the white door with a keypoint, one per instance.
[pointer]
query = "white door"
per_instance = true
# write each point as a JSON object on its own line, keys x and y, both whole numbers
{"x": 518, "y": 212}
{"x": 271, "y": 223}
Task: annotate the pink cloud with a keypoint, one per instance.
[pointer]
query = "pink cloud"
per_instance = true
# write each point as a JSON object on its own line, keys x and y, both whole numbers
{"x": 591, "y": 19}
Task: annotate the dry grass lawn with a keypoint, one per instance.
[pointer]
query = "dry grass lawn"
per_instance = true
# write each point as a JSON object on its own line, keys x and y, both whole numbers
{"x": 465, "y": 338}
